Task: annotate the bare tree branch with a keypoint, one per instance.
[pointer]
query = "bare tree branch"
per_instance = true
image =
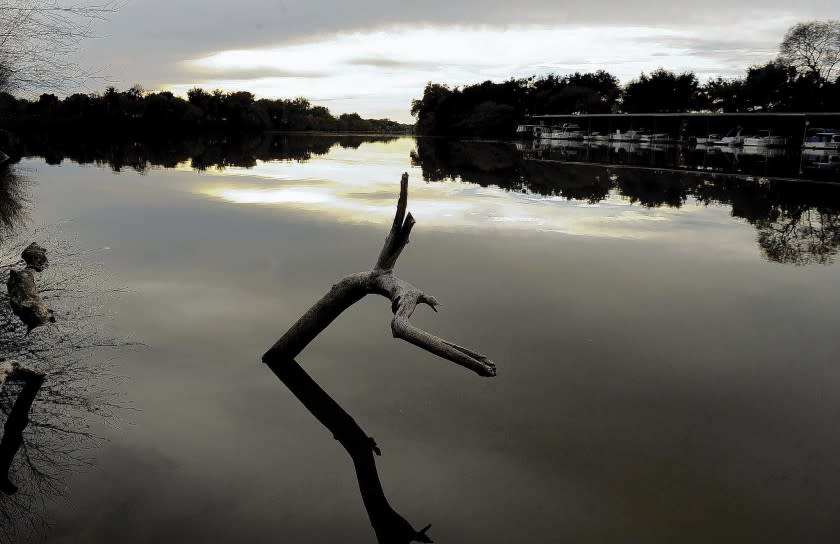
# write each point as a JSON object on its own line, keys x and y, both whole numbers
{"x": 813, "y": 47}
{"x": 36, "y": 38}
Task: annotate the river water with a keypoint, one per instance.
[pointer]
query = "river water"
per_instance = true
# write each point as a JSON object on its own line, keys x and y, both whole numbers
{"x": 666, "y": 346}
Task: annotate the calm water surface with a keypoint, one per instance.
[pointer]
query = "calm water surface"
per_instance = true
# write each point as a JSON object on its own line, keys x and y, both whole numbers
{"x": 667, "y": 350}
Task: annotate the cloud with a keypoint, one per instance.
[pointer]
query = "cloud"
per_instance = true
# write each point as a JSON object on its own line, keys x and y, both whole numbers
{"x": 378, "y": 73}
{"x": 396, "y": 45}
{"x": 378, "y": 62}
{"x": 253, "y": 73}
{"x": 733, "y": 55}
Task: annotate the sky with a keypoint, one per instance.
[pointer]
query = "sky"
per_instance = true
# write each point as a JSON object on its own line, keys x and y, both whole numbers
{"x": 374, "y": 57}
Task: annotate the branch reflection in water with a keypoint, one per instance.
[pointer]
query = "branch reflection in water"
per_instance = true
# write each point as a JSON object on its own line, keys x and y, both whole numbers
{"x": 390, "y": 527}
{"x": 796, "y": 222}
{"x": 17, "y": 420}
{"x": 212, "y": 151}
{"x": 59, "y": 388}
{"x": 18, "y": 511}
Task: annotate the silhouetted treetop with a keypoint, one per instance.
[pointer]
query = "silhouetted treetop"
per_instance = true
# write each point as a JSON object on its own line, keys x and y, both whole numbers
{"x": 661, "y": 92}
{"x": 813, "y": 48}
{"x": 205, "y": 111}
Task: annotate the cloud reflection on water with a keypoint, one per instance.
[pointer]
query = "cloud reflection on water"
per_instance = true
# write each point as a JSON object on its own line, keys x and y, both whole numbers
{"x": 358, "y": 186}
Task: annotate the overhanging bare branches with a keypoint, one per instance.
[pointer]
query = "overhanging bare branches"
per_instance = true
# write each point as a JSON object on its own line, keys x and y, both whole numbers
{"x": 36, "y": 38}
{"x": 381, "y": 281}
{"x": 813, "y": 47}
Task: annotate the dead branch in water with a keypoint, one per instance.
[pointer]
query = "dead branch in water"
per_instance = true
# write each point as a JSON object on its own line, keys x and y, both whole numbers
{"x": 381, "y": 281}
{"x": 25, "y": 301}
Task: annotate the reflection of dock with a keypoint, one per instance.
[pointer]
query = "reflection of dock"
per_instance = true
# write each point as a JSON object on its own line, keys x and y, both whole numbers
{"x": 748, "y": 161}
{"x": 698, "y": 171}
{"x": 764, "y": 151}
{"x": 821, "y": 159}
{"x": 726, "y": 129}
{"x": 796, "y": 222}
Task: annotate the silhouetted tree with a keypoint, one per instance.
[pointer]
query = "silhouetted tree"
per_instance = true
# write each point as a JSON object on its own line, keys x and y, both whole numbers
{"x": 813, "y": 48}
{"x": 769, "y": 87}
{"x": 660, "y": 92}
{"x": 135, "y": 110}
{"x": 595, "y": 92}
{"x": 722, "y": 95}
{"x": 431, "y": 110}
{"x": 491, "y": 109}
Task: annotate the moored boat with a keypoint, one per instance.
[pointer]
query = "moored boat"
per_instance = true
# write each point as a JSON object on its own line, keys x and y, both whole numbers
{"x": 821, "y": 159}
{"x": 655, "y": 138}
{"x": 567, "y": 131}
{"x": 625, "y": 146}
{"x": 732, "y": 138}
{"x": 822, "y": 138}
{"x": 526, "y": 131}
{"x": 764, "y": 139}
{"x": 629, "y": 136}
{"x": 707, "y": 140}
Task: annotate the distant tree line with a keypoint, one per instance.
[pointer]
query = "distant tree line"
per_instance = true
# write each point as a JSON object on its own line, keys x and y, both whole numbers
{"x": 803, "y": 77}
{"x": 135, "y": 110}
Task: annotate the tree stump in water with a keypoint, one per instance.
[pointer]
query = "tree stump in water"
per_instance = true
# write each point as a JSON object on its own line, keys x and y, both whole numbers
{"x": 35, "y": 257}
{"x": 24, "y": 299}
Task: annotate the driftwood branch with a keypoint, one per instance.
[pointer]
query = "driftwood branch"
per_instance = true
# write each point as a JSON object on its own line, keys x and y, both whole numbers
{"x": 390, "y": 527}
{"x": 35, "y": 257}
{"x": 24, "y": 299}
{"x": 381, "y": 281}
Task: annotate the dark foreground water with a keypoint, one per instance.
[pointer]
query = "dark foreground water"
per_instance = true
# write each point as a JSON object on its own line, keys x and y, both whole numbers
{"x": 667, "y": 348}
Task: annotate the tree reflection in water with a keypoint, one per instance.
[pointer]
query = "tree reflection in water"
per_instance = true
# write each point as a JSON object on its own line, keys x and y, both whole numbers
{"x": 12, "y": 200}
{"x": 802, "y": 235}
{"x": 390, "y": 527}
{"x": 47, "y": 431}
{"x": 796, "y": 222}
{"x": 203, "y": 153}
